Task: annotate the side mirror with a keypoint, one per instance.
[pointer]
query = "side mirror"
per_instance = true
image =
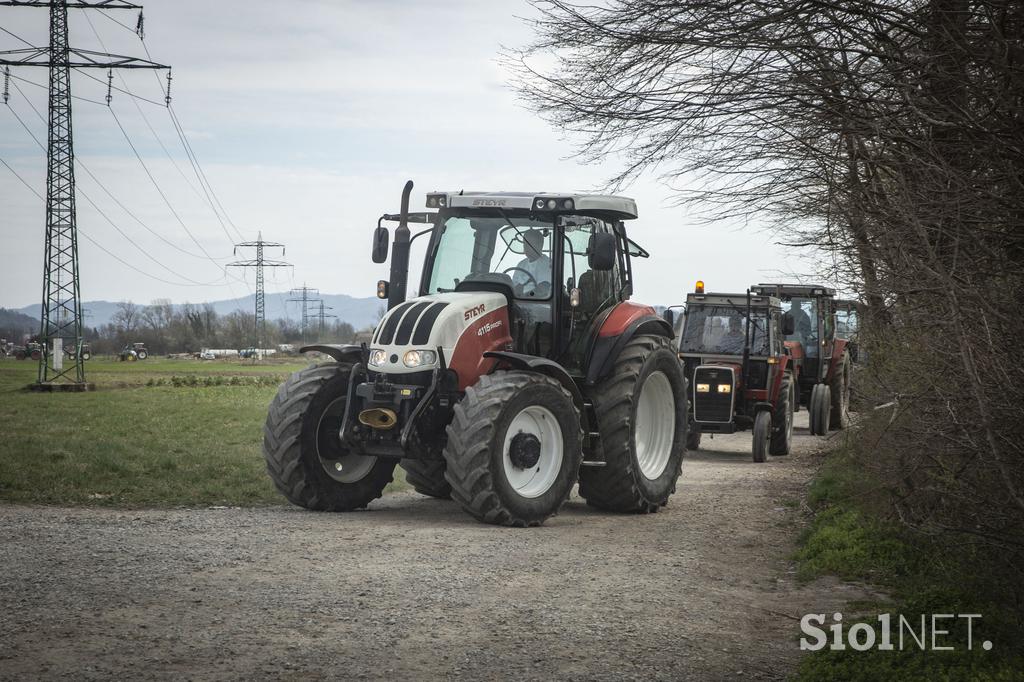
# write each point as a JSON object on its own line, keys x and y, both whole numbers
{"x": 601, "y": 251}
{"x": 788, "y": 324}
{"x": 670, "y": 317}
{"x": 380, "y": 245}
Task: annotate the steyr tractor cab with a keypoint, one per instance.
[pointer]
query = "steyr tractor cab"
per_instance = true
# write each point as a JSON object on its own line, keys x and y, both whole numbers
{"x": 520, "y": 367}
{"x": 741, "y": 375}
{"x": 825, "y": 379}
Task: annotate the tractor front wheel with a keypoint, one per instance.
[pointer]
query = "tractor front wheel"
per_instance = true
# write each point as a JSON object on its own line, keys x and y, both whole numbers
{"x": 514, "y": 448}
{"x": 762, "y": 435}
{"x": 427, "y": 477}
{"x": 840, "y": 385}
{"x": 819, "y": 409}
{"x": 642, "y": 422}
{"x": 302, "y": 445}
{"x": 782, "y": 434}
{"x": 693, "y": 438}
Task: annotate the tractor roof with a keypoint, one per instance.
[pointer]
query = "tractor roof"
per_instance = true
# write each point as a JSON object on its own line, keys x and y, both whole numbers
{"x": 733, "y": 299}
{"x": 620, "y": 208}
{"x": 785, "y": 291}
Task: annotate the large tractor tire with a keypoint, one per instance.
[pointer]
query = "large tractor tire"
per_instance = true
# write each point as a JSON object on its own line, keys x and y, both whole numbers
{"x": 427, "y": 477}
{"x": 642, "y": 421}
{"x": 86, "y": 355}
{"x": 304, "y": 454}
{"x": 762, "y": 436}
{"x": 142, "y": 355}
{"x": 819, "y": 409}
{"x": 514, "y": 448}
{"x": 840, "y": 404}
{"x": 782, "y": 435}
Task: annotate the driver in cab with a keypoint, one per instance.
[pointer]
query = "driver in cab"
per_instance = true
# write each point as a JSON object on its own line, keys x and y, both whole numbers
{"x": 532, "y": 276}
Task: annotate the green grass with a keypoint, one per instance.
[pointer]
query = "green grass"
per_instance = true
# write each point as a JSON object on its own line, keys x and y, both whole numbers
{"x": 154, "y": 433}
{"x": 850, "y": 539}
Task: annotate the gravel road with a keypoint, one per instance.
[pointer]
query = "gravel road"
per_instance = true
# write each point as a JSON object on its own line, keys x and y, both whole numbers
{"x": 415, "y": 589}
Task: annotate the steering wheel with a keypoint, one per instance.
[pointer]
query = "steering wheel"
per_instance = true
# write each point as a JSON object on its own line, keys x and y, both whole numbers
{"x": 525, "y": 272}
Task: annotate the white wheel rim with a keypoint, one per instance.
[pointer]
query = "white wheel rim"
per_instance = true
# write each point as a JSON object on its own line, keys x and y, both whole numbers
{"x": 655, "y": 427}
{"x": 536, "y": 480}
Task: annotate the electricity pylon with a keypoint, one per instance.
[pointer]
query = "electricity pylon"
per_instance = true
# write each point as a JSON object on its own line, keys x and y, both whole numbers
{"x": 61, "y": 315}
{"x": 260, "y": 331}
{"x": 323, "y": 315}
{"x": 304, "y": 295}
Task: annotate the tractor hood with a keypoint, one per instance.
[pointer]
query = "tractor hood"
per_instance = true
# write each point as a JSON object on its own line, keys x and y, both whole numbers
{"x": 459, "y": 324}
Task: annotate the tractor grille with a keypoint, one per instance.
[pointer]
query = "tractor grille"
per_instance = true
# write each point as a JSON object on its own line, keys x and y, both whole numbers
{"x": 713, "y": 405}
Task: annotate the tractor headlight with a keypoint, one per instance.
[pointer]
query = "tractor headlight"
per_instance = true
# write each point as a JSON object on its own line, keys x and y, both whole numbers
{"x": 378, "y": 357}
{"x": 703, "y": 388}
{"x": 724, "y": 388}
{"x": 419, "y": 358}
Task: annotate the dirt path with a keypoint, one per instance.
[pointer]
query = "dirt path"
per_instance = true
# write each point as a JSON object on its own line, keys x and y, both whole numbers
{"x": 415, "y": 589}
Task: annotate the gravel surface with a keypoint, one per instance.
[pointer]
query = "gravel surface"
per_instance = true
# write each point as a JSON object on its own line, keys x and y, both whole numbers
{"x": 416, "y": 589}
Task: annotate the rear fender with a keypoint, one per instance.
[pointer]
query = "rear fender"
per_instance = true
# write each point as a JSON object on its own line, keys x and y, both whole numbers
{"x": 607, "y": 347}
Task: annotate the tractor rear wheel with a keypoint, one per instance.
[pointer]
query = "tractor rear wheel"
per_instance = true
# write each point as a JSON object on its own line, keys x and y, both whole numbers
{"x": 840, "y": 385}
{"x": 642, "y": 428}
{"x": 142, "y": 355}
{"x": 86, "y": 355}
{"x": 782, "y": 434}
{"x": 762, "y": 435}
{"x": 427, "y": 477}
{"x": 302, "y": 446}
{"x": 514, "y": 448}
{"x": 819, "y": 409}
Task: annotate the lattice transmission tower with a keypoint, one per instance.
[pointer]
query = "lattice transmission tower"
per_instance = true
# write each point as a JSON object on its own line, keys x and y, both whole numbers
{"x": 259, "y": 262}
{"x": 61, "y": 314}
{"x": 304, "y": 295}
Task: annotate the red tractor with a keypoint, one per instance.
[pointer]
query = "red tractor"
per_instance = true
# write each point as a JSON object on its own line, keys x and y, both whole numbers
{"x": 741, "y": 373}
{"x": 825, "y": 379}
{"x": 520, "y": 368}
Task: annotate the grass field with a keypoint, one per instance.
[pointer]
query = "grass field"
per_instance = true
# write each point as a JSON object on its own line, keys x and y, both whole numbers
{"x": 155, "y": 433}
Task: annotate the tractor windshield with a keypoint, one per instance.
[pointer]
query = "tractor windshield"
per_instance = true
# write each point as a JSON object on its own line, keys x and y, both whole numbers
{"x": 846, "y": 322}
{"x": 804, "y": 312}
{"x": 514, "y": 251}
{"x": 721, "y": 329}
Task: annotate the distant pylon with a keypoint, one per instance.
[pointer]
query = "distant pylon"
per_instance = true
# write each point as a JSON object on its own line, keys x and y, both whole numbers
{"x": 61, "y": 314}
{"x": 260, "y": 328}
{"x": 323, "y": 315}
{"x": 304, "y": 295}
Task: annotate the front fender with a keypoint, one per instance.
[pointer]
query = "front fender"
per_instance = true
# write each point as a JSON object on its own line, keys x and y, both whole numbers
{"x": 339, "y": 352}
{"x": 607, "y": 348}
{"x": 533, "y": 363}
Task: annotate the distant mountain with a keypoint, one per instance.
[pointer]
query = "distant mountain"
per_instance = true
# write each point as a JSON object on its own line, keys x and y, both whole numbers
{"x": 359, "y": 312}
{"x": 14, "y": 324}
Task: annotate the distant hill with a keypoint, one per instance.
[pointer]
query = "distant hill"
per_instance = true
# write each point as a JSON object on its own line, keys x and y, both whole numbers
{"x": 14, "y": 324}
{"x": 359, "y": 312}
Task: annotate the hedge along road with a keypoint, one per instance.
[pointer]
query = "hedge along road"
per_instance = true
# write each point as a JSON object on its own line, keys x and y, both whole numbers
{"x": 417, "y": 589}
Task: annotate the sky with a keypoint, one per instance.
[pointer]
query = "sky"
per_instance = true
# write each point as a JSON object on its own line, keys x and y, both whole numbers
{"x": 306, "y": 119}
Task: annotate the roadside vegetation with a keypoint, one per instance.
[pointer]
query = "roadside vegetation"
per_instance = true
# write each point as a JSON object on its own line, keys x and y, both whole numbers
{"x": 154, "y": 433}
{"x": 856, "y": 535}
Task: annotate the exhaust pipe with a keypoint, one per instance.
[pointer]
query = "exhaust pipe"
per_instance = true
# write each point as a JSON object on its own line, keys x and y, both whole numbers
{"x": 400, "y": 253}
{"x": 380, "y": 418}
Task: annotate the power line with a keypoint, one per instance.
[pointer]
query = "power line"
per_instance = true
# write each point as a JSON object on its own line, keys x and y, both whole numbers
{"x": 84, "y": 167}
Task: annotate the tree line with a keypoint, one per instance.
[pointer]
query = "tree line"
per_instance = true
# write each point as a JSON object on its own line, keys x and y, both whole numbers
{"x": 188, "y": 328}
{"x": 886, "y": 134}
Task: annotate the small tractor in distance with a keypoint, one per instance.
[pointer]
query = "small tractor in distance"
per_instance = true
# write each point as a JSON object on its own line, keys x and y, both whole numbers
{"x": 824, "y": 381}
{"x": 519, "y": 368}
{"x": 132, "y": 352}
{"x": 741, "y": 375}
